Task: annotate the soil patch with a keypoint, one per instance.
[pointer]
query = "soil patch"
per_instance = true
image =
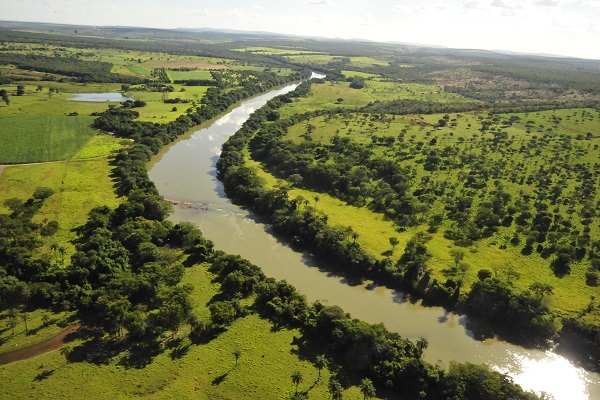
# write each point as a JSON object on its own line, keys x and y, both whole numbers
{"x": 40, "y": 348}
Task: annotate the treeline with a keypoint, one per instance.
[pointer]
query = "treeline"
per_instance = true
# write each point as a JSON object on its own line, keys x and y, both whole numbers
{"x": 393, "y": 363}
{"x": 77, "y": 70}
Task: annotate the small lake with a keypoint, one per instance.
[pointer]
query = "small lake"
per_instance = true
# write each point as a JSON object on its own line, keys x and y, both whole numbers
{"x": 100, "y": 97}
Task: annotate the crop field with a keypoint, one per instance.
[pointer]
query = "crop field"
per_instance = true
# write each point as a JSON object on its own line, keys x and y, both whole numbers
{"x": 42, "y": 138}
{"x": 417, "y": 135}
{"x": 268, "y": 357}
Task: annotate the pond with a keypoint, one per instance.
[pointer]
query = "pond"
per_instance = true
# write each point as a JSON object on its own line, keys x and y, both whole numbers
{"x": 101, "y": 97}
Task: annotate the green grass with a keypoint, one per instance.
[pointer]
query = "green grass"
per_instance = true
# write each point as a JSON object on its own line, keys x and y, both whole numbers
{"x": 184, "y": 75}
{"x": 37, "y": 332}
{"x": 78, "y": 187}
{"x": 42, "y": 138}
{"x": 206, "y": 371}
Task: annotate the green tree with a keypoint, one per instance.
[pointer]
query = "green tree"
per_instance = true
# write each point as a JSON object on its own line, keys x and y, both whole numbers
{"x": 237, "y": 353}
{"x": 335, "y": 389}
{"x": 457, "y": 256}
{"x": 367, "y": 388}
{"x": 13, "y": 320}
{"x": 394, "y": 242}
{"x": 66, "y": 351}
{"x": 320, "y": 363}
{"x": 422, "y": 343}
{"x": 297, "y": 379}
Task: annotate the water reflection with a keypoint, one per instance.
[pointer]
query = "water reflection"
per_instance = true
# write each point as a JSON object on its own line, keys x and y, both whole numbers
{"x": 188, "y": 174}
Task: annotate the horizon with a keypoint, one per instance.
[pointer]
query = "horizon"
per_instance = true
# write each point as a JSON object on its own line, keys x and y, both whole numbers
{"x": 563, "y": 28}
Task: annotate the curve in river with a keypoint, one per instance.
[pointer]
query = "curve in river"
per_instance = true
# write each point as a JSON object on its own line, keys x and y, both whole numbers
{"x": 186, "y": 173}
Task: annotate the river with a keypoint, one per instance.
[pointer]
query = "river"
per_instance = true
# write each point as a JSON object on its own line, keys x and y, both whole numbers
{"x": 186, "y": 172}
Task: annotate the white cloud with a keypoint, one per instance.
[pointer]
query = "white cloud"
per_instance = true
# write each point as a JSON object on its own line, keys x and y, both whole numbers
{"x": 318, "y": 2}
{"x": 507, "y": 4}
{"x": 471, "y": 4}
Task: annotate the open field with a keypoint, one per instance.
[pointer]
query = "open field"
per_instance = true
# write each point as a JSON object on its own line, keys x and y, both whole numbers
{"x": 79, "y": 186}
{"x": 42, "y": 138}
{"x": 183, "y": 75}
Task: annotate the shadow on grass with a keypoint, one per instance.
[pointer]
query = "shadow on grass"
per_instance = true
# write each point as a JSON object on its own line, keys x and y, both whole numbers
{"x": 220, "y": 379}
{"x": 141, "y": 354}
{"x": 45, "y": 374}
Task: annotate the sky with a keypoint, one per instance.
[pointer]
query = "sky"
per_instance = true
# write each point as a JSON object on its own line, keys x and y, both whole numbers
{"x": 559, "y": 27}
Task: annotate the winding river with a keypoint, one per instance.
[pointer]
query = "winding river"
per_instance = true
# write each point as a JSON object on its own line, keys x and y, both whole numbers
{"x": 185, "y": 172}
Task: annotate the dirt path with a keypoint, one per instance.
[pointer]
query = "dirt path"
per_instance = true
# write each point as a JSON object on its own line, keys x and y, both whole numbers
{"x": 37, "y": 349}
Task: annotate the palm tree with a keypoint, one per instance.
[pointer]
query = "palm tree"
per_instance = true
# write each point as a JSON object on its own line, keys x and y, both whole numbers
{"x": 317, "y": 198}
{"x": 354, "y": 237}
{"x": 335, "y": 389}
{"x": 13, "y": 320}
{"x": 422, "y": 344}
{"x": 66, "y": 351}
{"x": 62, "y": 251}
{"x": 237, "y": 353}
{"x": 297, "y": 379}
{"x": 367, "y": 388}
{"x": 320, "y": 363}
{"x": 45, "y": 319}
{"x": 25, "y": 318}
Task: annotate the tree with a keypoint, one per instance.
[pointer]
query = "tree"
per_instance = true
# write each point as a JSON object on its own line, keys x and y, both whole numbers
{"x": 25, "y": 317}
{"x": 335, "y": 389}
{"x": 297, "y": 379}
{"x": 20, "y": 90}
{"x": 457, "y": 256}
{"x": 317, "y": 198}
{"x": 237, "y": 353}
{"x": 320, "y": 363}
{"x": 66, "y": 351}
{"x": 422, "y": 343}
{"x": 13, "y": 320}
{"x": 394, "y": 242}
{"x": 45, "y": 319}
{"x": 367, "y": 388}
{"x": 4, "y": 95}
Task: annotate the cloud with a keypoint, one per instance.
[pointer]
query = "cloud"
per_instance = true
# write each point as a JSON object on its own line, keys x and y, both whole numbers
{"x": 547, "y": 3}
{"x": 318, "y": 2}
{"x": 509, "y": 5}
{"x": 471, "y": 4}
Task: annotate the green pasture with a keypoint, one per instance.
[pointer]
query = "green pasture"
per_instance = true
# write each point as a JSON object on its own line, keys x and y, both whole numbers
{"x": 42, "y": 138}
{"x": 79, "y": 186}
{"x": 365, "y": 75}
{"x": 325, "y": 96}
{"x": 184, "y": 75}
{"x": 181, "y": 369}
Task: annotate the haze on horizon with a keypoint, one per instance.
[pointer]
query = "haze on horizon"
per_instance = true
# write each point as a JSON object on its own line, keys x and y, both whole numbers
{"x": 558, "y": 27}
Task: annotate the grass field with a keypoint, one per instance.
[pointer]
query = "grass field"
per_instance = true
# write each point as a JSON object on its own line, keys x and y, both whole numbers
{"x": 42, "y": 138}
{"x": 79, "y": 186}
{"x": 183, "y": 75}
{"x": 183, "y": 370}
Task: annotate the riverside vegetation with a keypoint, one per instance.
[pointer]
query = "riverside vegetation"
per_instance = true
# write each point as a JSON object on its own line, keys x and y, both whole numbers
{"x": 129, "y": 272}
